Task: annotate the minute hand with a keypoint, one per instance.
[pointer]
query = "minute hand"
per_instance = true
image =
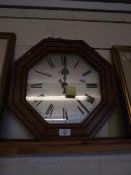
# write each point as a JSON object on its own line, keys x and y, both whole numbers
{"x": 64, "y": 72}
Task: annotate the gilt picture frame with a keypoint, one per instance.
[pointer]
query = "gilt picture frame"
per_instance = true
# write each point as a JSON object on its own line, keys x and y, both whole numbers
{"x": 122, "y": 61}
{"x": 7, "y": 44}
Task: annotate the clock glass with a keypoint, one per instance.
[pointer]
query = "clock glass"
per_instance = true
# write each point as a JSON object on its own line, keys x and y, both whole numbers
{"x": 64, "y": 88}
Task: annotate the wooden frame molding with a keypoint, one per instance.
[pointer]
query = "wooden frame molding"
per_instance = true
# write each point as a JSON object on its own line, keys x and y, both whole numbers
{"x": 13, "y": 147}
{"x": 7, "y": 44}
{"x": 122, "y": 61}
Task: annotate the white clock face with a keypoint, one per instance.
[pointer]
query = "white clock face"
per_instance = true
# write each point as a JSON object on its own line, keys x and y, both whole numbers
{"x": 63, "y": 88}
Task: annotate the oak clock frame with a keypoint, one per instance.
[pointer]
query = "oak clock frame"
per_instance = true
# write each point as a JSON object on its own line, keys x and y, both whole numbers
{"x": 32, "y": 120}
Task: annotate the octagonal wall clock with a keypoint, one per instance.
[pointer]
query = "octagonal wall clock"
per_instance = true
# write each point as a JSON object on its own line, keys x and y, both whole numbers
{"x": 62, "y": 89}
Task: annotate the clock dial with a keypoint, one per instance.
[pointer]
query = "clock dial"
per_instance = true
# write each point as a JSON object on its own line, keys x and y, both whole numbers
{"x": 63, "y": 88}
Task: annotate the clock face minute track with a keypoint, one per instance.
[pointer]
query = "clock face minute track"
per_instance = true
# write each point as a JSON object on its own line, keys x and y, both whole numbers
{"x": 58, "y": 76}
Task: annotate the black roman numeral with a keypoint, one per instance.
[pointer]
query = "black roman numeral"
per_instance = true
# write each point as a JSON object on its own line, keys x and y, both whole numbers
{"x": 64, "y": 60}
{"x": 86, "y": 73}
{"x": 42, "y": 73}
{"x": 38, "y": 85}
{"x": 82, "y": 106}
{"x": 77, "y": 62}
{"x": 90, "y": 99}
{"x": 49, "y": 110}
{"x": 65, "y": 115}
{"x": 91, "y": 85}
{"x": 80, "y": 110}
{"x": 49, "y": 61}
{"x": 39, "y": 102}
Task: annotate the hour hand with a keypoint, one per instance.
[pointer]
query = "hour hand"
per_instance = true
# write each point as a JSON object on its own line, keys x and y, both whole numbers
{"x": 63, "y": 85}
